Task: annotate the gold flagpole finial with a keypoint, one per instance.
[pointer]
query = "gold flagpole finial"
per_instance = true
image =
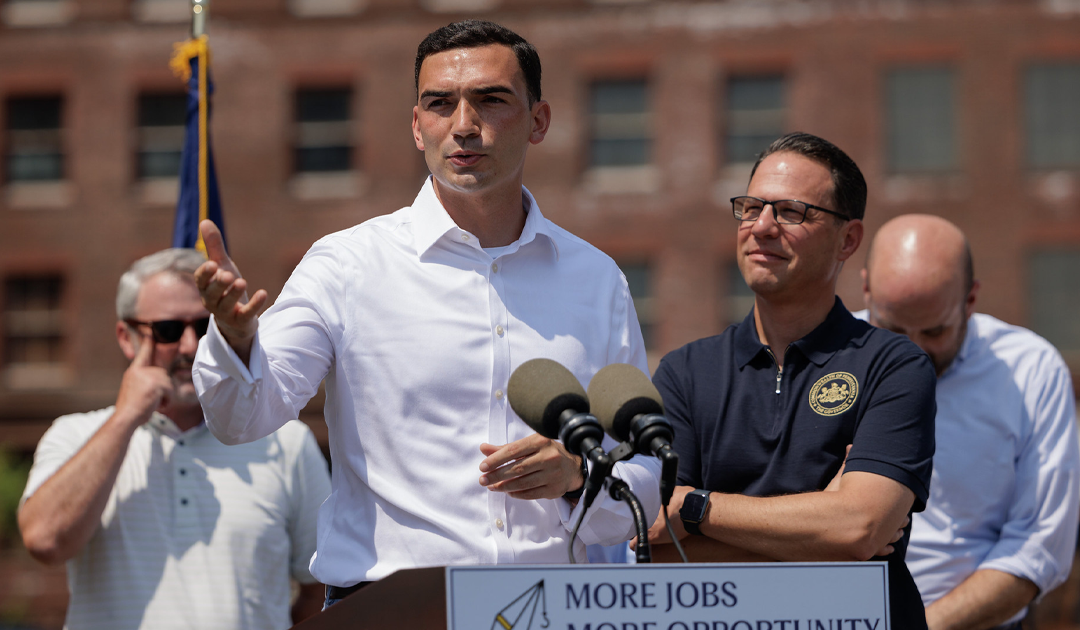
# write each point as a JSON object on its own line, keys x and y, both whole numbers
{"x": 199, "y": 13}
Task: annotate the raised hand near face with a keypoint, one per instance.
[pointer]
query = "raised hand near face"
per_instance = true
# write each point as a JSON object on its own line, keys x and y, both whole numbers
{"x": 224, "y": 293}
{"x": 145, "y": 387}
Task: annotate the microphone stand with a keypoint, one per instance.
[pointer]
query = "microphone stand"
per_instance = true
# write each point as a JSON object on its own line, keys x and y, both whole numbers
{"x": 581, "y": 433}
{"x": 593, "y": 484}
{"x": 620, "y": 491}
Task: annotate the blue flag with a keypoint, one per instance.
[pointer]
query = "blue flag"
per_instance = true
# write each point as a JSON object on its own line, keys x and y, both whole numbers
{"x": 199, "y": 198}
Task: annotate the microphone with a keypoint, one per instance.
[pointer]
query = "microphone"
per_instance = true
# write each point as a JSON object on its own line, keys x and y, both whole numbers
{"x": 630, "y": 410}
{"x": 549, "y": 398}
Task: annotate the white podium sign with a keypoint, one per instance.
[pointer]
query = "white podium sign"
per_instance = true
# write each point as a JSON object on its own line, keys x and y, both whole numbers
{"x": 774, "y": 596}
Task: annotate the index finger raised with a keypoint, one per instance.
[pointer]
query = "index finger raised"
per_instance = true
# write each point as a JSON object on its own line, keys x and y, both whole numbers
{"x": 146, "y": 350}
{"x": 215, "y": 245}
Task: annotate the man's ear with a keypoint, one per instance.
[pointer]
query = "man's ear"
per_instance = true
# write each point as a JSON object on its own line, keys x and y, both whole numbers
{"x": 126, "y": 338}
{"x": 969, "y": 301}
{"x": 541, "y": 113}
{"x": 850, "y": 238}
{"x": 419, "y": 139}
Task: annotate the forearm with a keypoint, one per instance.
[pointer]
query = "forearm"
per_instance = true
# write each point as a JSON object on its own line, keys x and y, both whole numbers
{"x": 61, "y": 516}
{"x": 987, "y": 598}
{"x": 853, "y": 523}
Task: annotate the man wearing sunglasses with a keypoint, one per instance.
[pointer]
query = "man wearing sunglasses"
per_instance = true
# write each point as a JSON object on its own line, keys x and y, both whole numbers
{"x": 160, "y": 524}
{"x": 764, "y": 413}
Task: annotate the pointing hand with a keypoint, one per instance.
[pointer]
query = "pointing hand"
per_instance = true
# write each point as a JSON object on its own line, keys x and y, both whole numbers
{"x": 224, "y": 293}
{"x": 146, "y": 387}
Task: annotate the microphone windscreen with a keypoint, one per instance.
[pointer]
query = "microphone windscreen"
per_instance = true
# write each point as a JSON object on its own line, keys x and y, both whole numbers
{"x": 540, "y": 390}
{"x": 618, "y": 393}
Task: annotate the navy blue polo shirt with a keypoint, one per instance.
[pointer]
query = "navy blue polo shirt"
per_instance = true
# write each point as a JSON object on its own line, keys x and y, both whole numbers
{"x": 743, "y": 426}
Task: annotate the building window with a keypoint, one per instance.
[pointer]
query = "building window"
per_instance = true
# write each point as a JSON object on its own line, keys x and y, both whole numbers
{"x": 34, "y": 147}
{"x": 33, "y": 331}
{"x": 921, "y": 120}
{"x": 454, "y": 6}
{"x": 162, "y": 11}
{"x": 31, "y": 13}
{"x": 621, "y": 123}
{"x": 754, "y": 116}
{"x": 1052, "y": 115}
{"x": 739, "y": 299}
{"x": 639, "y": 278}
{"x": 323, "y": 131}
{"x": 161, "y": 135}
{"x": 326, "y": 8}
{"x": 1054, "y": 283}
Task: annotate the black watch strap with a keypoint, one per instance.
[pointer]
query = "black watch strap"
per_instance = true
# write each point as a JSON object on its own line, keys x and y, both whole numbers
{"x": 695, "y": 506}
{"x": 574, "y": 495}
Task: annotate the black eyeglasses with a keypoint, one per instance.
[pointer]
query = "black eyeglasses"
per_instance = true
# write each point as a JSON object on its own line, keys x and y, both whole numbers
{"x": 171, "y": 330}
{"x": 786, "y": 211}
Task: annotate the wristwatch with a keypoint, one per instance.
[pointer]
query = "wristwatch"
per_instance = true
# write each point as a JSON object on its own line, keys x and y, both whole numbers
{"x": 695, "y": 506}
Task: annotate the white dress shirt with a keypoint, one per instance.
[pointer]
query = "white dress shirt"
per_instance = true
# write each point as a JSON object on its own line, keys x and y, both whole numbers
{"x": 1006, "y": 483}
{"x": 195, "y": 534}
{"x": 416, "y": 331}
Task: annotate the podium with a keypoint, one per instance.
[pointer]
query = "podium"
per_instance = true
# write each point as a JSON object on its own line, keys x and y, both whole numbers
{"x": 704, "y": 596}
{"x": 412, "y": 598}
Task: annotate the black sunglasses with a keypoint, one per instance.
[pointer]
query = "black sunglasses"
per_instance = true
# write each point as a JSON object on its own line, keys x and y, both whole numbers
{"x": 171, "y": 330}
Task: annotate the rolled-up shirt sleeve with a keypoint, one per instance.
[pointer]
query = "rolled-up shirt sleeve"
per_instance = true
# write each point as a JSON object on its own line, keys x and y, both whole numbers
{"x": 1038, "y": 538}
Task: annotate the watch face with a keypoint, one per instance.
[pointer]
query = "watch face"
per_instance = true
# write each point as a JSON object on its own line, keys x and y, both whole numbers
{"x": 693, "y": 508}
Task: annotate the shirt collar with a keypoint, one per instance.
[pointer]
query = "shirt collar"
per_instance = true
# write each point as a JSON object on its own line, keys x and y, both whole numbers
{"x": 431, "y": 223}
{"x": 164, "y": 425}
{"x": 967, "y": 346}
{"x": 819, "y": 345}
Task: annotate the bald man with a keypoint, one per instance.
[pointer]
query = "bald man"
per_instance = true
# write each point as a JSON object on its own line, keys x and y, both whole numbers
{"x": 1001, "y": 522}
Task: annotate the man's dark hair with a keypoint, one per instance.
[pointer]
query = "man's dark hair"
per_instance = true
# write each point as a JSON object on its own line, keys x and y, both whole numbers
{"x": 476, "y": 33}
{"x": 849, "y": 187}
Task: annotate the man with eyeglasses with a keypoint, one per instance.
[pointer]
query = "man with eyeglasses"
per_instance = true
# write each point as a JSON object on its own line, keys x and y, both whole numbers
{"x": 764, "y": 413}
{"x": 161, "y": 525}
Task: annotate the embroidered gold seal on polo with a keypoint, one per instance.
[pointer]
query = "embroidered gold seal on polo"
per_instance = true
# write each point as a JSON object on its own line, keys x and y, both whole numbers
{"x": 834, "y": 393}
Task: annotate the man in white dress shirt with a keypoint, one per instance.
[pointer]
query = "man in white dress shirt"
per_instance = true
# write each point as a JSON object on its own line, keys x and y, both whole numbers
{"x": 1001, "y": 524}
{"x": 416, "y": 321}
{"x": 161, "y": 525}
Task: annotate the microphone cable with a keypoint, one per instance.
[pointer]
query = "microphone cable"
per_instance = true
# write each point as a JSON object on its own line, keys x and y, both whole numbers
{"x": 671, "y": 533}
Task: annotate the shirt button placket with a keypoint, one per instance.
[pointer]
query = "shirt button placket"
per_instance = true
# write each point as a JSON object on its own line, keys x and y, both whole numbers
{"x": 184, "y": 485}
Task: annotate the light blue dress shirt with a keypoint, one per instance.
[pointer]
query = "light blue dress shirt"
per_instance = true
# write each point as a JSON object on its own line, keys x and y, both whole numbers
{"x": 1006, "y": 482}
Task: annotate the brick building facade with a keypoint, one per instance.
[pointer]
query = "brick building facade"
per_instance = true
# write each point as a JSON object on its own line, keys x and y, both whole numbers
{"x": 966, "y": 108}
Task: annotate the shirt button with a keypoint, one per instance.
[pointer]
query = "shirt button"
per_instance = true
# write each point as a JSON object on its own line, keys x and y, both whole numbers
{"x": 464, "y": 237}
{"x": 183, "y": 471}
{"x": 181, "y": 442}
{"x": 498, "y": 394}
{"x": 183, "y": 501}
{"x": 499, "y": 523}
{"x": 499, "y": 331}
{"x": 494, "y": 267}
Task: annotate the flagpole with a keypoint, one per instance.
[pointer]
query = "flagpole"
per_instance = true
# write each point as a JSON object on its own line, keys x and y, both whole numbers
{"x": 199, "y": 13}
{"x": 199, "y": 199}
